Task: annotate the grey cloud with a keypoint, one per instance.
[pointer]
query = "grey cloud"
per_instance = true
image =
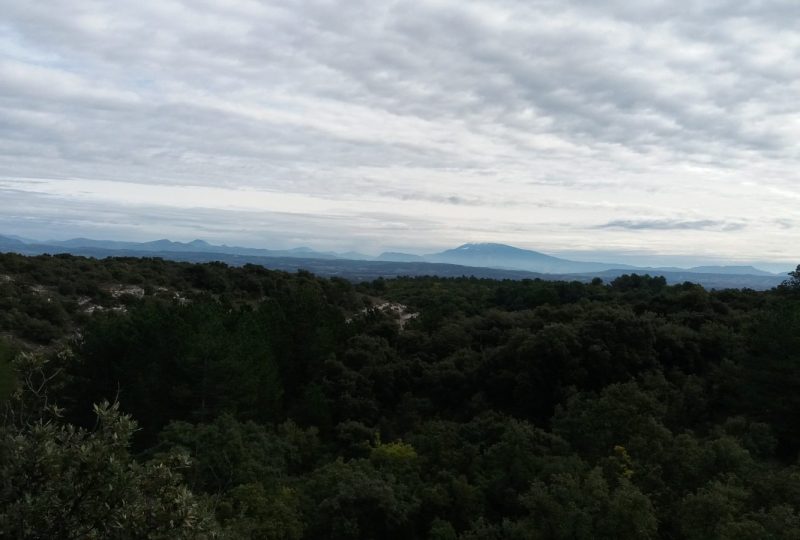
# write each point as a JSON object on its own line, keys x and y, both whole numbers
{"x": 582, "y": 101}
{"x": 672, "y": 224}
{"x": 450, "y": 198}
{"x": 42, "y": 216}
{"x": 445, "y": 61}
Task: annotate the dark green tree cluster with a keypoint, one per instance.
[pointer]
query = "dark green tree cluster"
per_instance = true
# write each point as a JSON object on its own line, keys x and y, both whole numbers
{"x": 62, "y": 481}
{"x": 283, "y": 406}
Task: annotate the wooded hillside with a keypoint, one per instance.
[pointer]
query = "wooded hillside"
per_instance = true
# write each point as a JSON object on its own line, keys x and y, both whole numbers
{"x": 285, "y": 406}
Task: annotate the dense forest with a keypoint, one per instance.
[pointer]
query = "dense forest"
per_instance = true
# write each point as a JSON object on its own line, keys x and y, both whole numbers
{"x": 143, "y": 398}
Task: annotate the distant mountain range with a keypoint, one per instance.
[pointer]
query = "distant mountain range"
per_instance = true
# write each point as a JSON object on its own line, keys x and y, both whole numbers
{"x": 498, "y": 261}
{"x": 504, "y": 256}
{"x": 195, "y": 246}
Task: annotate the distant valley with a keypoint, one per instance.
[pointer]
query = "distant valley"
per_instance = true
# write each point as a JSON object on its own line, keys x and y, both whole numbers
{"x": 487, "y": 260}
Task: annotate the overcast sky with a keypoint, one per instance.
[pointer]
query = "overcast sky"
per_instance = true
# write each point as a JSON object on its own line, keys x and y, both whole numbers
{"x": 592, "y": 128}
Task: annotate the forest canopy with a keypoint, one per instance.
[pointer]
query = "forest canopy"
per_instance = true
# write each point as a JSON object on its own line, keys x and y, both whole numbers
{"x": 144, "y": 398}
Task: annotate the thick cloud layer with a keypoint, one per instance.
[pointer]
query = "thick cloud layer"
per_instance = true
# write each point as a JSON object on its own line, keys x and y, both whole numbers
{"x": 604, "y": 125}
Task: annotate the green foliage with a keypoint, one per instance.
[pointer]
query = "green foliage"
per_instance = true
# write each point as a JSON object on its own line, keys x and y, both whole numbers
{"x": 793, "y": 282}
{"x": 227, "y": 453}
{"x": 586, "y": 507}
{"x": 393, "y": 454}
{"x": 354, "y": 500}
{"x": 284, "y": 406}
{"x": 255, "y": 514}
{"x": 60, "y": 481}
{"x": 7, "y": 374}
{"x": 442, "y": 530}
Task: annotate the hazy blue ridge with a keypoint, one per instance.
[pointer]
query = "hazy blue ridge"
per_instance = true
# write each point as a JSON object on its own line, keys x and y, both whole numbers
{"x": 495, "y": 261}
